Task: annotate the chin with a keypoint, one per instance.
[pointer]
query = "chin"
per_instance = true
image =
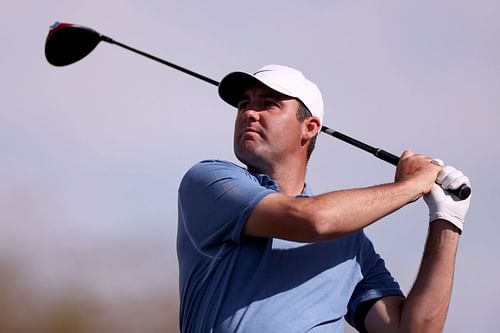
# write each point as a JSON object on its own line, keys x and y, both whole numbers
{"x": 244, "y": 157}
{"x": 251, "y": 159}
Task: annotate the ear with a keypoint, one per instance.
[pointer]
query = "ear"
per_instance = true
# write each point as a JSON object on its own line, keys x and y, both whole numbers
{"x": 312, "y": 126}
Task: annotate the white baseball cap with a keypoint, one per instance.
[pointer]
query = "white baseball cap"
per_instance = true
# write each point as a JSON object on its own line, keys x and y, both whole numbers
{"x": 283, "y": 79}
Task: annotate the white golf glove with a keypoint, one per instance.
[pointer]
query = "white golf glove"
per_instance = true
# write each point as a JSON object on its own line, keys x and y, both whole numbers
{"x": 443, "y": 205}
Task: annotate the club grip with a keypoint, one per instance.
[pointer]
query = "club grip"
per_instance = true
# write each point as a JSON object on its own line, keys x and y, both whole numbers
{"x": 462, "y": 192}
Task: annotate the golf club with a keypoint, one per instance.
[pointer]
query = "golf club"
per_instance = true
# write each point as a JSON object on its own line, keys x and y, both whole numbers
{"x": 67, "y": 43}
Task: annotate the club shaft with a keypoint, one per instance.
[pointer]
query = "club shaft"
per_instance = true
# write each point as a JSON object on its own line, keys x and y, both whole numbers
{"x": 463, "y": 192}
{"x": 382, "y": 154}
{"x": 150, "y": 56}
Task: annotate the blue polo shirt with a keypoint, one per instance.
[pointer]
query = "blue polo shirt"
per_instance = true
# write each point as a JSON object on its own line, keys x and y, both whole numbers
{"x": 231, "y": 283}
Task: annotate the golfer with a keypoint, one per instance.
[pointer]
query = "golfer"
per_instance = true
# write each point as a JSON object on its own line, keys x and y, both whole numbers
{"x": 259, "y": 252}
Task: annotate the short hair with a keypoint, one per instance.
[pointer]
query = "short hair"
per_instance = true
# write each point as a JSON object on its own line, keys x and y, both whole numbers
{"x": 302, "y": 114}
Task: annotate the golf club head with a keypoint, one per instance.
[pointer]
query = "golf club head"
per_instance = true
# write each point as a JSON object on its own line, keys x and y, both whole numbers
{"x": 67, "y": 43}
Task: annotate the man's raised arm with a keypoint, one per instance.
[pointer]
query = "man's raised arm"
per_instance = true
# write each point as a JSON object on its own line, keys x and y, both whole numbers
{"x": 426, "y": 307}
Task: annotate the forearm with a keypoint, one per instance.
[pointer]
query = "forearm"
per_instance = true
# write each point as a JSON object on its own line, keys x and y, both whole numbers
{"x": 327, "y": 216}
{"x": 343, "y": 212}
{"x": 427, "y": 304}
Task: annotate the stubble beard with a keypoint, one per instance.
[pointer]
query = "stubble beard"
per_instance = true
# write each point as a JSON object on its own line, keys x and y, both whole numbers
{"x": 251, "y": 154}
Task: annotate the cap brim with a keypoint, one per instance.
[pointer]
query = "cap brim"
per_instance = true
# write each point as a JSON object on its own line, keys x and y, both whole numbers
{"x": 233, "y": 85}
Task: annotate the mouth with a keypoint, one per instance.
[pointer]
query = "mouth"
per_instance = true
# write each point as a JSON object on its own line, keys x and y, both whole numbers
{"x": 250, "y": 133}
{"x": 250, "y": 130}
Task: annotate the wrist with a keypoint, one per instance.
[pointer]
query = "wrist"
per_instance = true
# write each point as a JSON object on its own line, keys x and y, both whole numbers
{"x": 448, "y": 218}
{"x": 411, "y": 189}
{"x": 444, "y": 227}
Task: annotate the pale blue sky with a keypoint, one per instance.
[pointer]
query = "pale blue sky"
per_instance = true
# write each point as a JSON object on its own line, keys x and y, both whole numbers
{"x": 92, "y": 154}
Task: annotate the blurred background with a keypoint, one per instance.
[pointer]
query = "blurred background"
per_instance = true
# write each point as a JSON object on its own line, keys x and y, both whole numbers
{"x": 92, "y": 154}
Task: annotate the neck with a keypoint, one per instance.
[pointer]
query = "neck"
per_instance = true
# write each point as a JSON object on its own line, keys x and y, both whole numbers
{"x": 290, "y": 176}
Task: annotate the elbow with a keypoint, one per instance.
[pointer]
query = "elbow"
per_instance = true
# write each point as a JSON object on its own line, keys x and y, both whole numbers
{"x": 319, "y": 227}
{"x": 306, "y": 221}
{"x": 323, "y": 230}
{"x": 430, "y": 322}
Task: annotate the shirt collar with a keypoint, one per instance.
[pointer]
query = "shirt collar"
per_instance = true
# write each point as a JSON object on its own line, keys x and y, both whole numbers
{"x": 306, "y": 192}
{"x": 269, "y": 183}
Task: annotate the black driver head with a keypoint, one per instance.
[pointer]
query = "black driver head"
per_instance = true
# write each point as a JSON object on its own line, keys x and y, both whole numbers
{"x": 67, "y": 43}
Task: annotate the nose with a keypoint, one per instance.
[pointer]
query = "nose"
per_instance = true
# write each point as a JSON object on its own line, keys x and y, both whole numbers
{"x": 250, "y": 115}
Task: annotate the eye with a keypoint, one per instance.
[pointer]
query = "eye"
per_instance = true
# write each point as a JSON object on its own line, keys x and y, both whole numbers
{"x": 270, "y": 103}
{"x": 242, "y": 104}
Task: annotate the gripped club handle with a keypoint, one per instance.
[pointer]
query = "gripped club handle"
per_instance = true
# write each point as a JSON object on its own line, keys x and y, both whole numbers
{"x": 462, "y": 192}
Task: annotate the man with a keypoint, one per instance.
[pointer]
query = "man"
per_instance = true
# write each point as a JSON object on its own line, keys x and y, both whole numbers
{"x": 259, "y": 253}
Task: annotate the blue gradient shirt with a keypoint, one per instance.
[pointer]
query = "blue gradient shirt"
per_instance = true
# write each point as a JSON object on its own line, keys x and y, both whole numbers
{"x": 231, "y": 283}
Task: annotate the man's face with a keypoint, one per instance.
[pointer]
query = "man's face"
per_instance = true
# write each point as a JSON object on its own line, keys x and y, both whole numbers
{"x": 266, "y": 129}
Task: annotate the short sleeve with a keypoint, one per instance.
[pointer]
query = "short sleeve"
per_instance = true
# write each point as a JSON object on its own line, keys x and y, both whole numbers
{"x": 215, "y": 201}
{"x": 376, "y": 283}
